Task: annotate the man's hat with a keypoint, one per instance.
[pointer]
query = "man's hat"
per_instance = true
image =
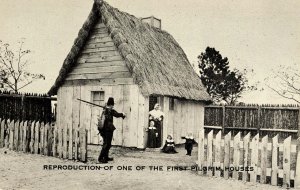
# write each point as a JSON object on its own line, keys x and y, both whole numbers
{"x": 110, "y": 101}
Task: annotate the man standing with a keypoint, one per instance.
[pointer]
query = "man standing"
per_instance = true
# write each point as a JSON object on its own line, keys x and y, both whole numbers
{"x": 108, "y": 130}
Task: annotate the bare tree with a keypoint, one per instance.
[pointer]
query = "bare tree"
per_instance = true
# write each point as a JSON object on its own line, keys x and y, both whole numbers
{"x": 13, "y": 67}
{"x": 285, "y": 81}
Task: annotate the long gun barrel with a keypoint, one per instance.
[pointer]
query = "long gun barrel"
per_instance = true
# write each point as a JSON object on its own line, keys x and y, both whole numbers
{"x": 90, "y": 103}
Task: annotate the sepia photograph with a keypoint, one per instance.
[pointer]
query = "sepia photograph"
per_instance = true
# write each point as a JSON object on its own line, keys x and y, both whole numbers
{"x": 148, "y": 94}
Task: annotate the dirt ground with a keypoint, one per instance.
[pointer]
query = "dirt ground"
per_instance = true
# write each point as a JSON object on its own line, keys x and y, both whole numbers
{"x": 26, "y": 171}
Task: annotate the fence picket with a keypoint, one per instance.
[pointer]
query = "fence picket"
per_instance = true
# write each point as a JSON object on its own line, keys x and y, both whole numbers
{"x": 200, "y": 150}
{"x": 32, "y": 135}
{"x": 6, "y": 134}
{"x": 76, "y": 143}
{"x": 65, "y": 142}
{"x": 42, "y": 131}
{"x": 46, "y": 142}
{"x": 37, "y": 137}
{"x": 2, "y": 131}
{"x": 25, "y": 137}
{"x": 227, "y": 155}
{"x": 51, "y": 142}
{"x": 210, "y": 152}
{"x": 286, "y": 162}
{"x": 55, "y": 141}
{"x": 236, "y": 155}
{"x": 60, "y": 141}
{"x": 83, "y": 144}
{"x": 21, "y": 130}
{"x": 254, "y": 158}
{"x": 70, "y": 142}
{"x": 246, "y": 155}
{"x": 11, "y": 135}
{"x": 274, "y": 172}
{"x": 263, "y": 160}
{"x": 217, "y": 163}
{"x": 16, "y": 136}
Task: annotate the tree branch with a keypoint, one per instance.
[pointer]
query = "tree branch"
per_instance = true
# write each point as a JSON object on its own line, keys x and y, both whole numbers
{"x": 284, "y": 96}
{"x": 25, "y": 85}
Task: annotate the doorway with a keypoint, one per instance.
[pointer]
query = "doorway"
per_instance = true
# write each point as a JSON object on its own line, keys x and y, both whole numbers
{"x": 152, "y": 101}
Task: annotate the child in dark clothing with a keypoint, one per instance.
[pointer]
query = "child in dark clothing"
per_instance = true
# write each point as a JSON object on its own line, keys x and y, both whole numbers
{"x": 169, "y": 147}
{"x": 189, "y": 141}
{"x": 152, "y": 135}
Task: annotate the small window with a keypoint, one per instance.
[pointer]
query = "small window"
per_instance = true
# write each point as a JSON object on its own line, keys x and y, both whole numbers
{"x": 98, "y": 97}
{"x": 171, "y": 103}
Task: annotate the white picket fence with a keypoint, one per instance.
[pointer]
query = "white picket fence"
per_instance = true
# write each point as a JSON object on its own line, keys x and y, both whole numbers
{"x": 44, "y": 138}
{"x": 267, "y": 160}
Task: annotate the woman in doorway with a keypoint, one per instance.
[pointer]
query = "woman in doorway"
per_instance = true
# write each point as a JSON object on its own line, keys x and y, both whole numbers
{"x": 157, "y": 116}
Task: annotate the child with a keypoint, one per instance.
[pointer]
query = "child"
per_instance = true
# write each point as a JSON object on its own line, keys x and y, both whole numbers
{"x": 152, "y": 135}
{"x": 169, "y": 146}
{"x": 189, "y": 141}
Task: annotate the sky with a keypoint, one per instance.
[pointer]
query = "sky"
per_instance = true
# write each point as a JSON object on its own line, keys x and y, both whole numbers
{"x": 258, "y": 35}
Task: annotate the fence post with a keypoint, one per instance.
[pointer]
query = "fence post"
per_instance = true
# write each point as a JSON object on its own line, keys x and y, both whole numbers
{"x": 274, "y": 160}
{"x": 218, "y": 155}
{"x": 264, "y": 160}
{"x": 83, "y": 144}
{"x": 23, "y": 116}
{"x": 297, "y": 178}
{"x": 11, "y": 135}
{"x": 254, "y": 158}
{"x": 286, "y": 162}
{"x": 246, "y": 141}
{"x": 201, "y": 150}
{"x": 227, "y": 140}
{"x": 2, "y": 130}
{"x": 37, "y": 137}
{"x": 210, "y": 152}
{"x": 258, "y": 119}
{"x": 55, "y": 145}
{"x": 223, "y": 119}
{"x": 236, "y": 154}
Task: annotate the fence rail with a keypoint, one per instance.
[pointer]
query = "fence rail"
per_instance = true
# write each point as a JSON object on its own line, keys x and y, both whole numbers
{"x": 264, "y": 160}
{"x": 44, "y": 138}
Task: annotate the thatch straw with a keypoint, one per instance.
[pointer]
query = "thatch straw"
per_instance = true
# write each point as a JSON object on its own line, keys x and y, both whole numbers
{"x": 156, "y": 61}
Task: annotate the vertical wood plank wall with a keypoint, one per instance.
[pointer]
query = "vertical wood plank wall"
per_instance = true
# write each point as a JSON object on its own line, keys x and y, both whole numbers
{"x": 187, "y": 116}
{"x": 130, "y": 132}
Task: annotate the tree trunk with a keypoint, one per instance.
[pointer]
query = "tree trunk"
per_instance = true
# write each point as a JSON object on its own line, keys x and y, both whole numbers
{"x": 16, "y": 86}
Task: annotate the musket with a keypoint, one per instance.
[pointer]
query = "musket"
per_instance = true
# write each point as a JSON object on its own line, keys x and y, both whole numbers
{"x": 91, "y": 103}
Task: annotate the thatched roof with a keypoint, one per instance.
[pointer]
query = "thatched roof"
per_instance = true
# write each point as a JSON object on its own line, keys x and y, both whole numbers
{"x": 156, "y": 61}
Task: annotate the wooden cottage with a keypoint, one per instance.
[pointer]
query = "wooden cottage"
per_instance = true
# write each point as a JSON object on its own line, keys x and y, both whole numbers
{"x": 118, "y": 55}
